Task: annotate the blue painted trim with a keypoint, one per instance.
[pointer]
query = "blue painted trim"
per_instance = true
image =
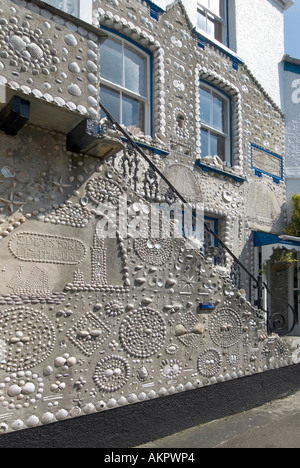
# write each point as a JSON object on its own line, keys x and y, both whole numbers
{"x": 207, "y": 306}
{"x": 154, "y": 150}
{"x": 258, "y": 172}
{"x": 203, "y": 39}
{"x": 155, "y": 10}
{"x": 227, "y": 22}
{"x": 292, "y": 67}
{"x": 208, "y": 169}
{"x": 146, "y": 51}
{"x": 262, "y": 238}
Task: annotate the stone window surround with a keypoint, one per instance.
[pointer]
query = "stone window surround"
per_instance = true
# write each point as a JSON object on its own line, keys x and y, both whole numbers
{"x": 211, "y": 77}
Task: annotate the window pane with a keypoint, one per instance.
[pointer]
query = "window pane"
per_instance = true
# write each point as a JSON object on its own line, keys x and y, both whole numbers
{"x": 69, "y": 6}
{"x": 210, "y": 27}
{"x": 214, "y": 145}
{"x": 133, "y": 113}
{"x": 201, "y": 22}
{"x": 111, "y": 100}
{"x": 111, "y": 61}
{"x": 204, "y": 144}
{"x": 205, "y": 106}
{"x": 134, "y": 72}
{"x": 218, "y": 31}
{"x": 219, "y": 113}
{"x": 222, "y": 148}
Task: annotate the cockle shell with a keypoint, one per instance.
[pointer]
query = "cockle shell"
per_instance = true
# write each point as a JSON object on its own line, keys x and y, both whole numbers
{"x": 17, "y": 43}
{"x": 35, "y": 51}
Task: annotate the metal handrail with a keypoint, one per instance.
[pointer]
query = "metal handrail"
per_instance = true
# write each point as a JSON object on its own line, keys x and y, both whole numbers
{"x": 258, "y": 284}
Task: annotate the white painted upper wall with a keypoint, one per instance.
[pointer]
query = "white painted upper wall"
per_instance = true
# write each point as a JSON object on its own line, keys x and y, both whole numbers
{"x": 259, "y": 40}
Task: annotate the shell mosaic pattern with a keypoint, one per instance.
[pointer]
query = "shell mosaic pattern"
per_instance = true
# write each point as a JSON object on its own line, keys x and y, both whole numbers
{"x": 31, "y": 62}
{"x": 125, "y": 324}
{"x": 96, "y": 349}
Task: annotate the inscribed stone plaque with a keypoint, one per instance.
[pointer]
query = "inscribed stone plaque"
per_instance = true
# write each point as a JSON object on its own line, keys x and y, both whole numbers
{"x": 266, "y": 161}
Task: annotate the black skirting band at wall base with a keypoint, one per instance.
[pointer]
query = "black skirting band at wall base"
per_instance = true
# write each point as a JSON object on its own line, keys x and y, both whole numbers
{"x": 133, "y": 425}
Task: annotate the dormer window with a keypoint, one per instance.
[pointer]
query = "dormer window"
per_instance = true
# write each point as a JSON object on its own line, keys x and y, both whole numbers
{"x": 211, "y": 19}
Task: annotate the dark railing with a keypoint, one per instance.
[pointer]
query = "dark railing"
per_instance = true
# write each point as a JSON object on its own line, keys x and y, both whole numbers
{"x": 254, "y": 283}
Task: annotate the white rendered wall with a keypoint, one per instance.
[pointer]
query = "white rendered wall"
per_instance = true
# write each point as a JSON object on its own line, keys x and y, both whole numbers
{"x": 292, "y": 112}
{"x": 259, "y": 28}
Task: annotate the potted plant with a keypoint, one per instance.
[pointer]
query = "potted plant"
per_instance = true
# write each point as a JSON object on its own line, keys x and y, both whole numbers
{"x": 282, "y": 260}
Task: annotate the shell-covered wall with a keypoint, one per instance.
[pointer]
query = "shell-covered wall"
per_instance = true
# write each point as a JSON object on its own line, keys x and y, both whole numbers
{"x": 90, "y": 324}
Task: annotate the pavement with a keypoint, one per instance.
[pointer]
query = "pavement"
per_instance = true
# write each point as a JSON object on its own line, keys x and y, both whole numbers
{"x": 273, "y": 425}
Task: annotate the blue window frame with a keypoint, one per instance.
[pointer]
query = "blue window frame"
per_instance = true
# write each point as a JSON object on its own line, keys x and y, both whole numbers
{"x": 126, "y": 85}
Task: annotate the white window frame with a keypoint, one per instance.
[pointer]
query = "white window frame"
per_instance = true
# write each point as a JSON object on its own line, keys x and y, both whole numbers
{"x": 85, "y": 9}
{"x": 220, "y": 20}
{"x": 210, "y": 129}
{"x": 146, "y": 100}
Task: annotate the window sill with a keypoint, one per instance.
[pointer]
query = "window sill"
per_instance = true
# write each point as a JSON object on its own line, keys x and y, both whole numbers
{"x": 207, "y": 168}
{"x": 154, "y": 149}
{"x": 203, "y": 38}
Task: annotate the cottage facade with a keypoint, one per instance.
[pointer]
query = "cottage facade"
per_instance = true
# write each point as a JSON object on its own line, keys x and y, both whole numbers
{"x": 91, "y": 323}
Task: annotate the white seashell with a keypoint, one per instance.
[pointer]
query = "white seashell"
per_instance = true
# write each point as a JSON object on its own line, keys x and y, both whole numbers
{"x": 28, "y": 388}
{"x": 35, "y": 51}
{"x": 17, "y": 43}
{"x": 60, "y": 101}
{"x": 61, "y": 415}
{"x": 32, "y": 421}
{"x": 17, "y": 424}
{"x": 74, "y": 90}
{"x": 71, "y": 40}
{"x": 74, "y": 67}
{"x": 8, "y": 172}
{"x": 92, "y": 66}
{"x": 14, "y": 390}
{"x": 71, "y": 361}
{"x": 60, "y": 361}
{"x": 47, "y": 418}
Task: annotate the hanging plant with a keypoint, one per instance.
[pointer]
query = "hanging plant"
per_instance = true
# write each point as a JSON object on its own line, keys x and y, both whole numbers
{"x": 294, "y": 228}
{"x": 282, "y": 260}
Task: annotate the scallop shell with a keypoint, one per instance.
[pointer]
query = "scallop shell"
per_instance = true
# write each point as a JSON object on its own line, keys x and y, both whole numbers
{"x": 17, "y": 43}
{"x": 35, "y": 51}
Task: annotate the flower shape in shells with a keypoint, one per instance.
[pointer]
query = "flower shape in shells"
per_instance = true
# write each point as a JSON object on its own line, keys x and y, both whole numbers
{"x": 104, "y": 191}
{"x": 111, "y": 373}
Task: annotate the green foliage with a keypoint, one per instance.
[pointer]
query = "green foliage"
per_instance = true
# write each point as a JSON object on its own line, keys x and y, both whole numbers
{"x": 294, "y": 228}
